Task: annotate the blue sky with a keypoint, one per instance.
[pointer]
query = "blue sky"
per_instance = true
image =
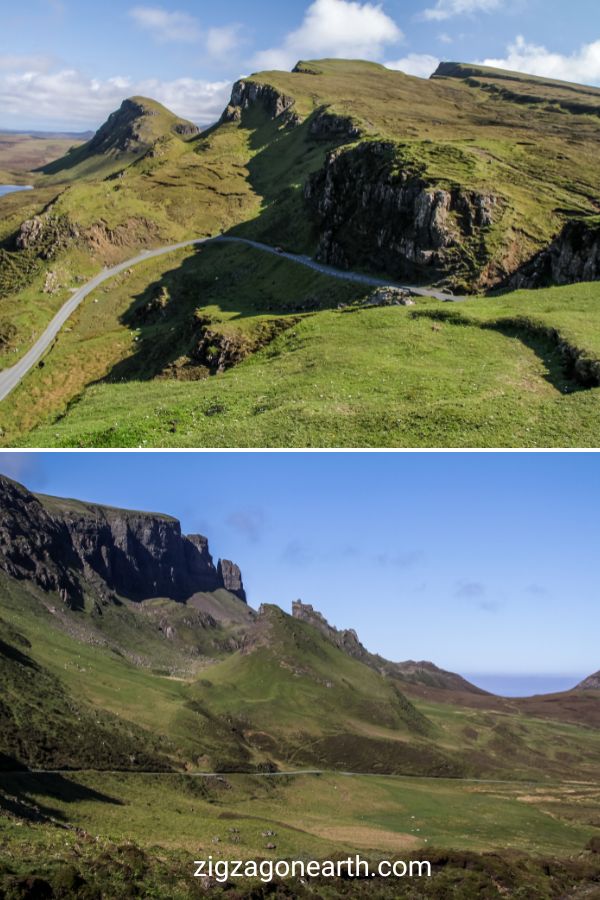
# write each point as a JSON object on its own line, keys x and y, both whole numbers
{"x": 481, "y": 562}
{"x": 67, "y": 64}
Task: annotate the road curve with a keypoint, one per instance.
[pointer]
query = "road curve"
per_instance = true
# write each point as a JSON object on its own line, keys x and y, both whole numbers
{"x": 10, "y": 377}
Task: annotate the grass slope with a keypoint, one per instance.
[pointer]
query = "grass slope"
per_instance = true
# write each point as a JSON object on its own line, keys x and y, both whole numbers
{"x": 352, "y": 377}
{"x": 111, "y": 691}
{"x": 538, "y": 157}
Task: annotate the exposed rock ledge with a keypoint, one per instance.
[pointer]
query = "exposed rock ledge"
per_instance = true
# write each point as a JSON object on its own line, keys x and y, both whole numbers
{"x": 373, "y": 208}
{"x": 248, "y": 93}
{"x": 573, "y": 256}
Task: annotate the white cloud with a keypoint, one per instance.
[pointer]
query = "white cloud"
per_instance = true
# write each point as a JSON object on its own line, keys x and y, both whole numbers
{"x": 420, "y": 64}
{"x": 71, "y": 100}
{"x": 446, "y": 9}
{"x": 167, "y": 26}
{"x": 221, "y": 41}
{"x": 41, "y": 63}
{"x": 334, "y": 28}
{"x": 164, "y": 25}
{"x": 582, "y": 66}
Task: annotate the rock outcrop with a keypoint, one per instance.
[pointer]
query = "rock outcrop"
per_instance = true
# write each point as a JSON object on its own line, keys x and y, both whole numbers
{"x": 573, "y": 256}
{"x": 373, "y": 208}
{"x": 78, "y": 548}
{"x": 591, "y": 683}
{"x": 123, "y": 131}
{"x": 327, "y": 126}
{"x": 250, "y": 93}
{"x": 424, "y": 673}
{"x": 231, "y": 578}
{"x": 46, "y": 235}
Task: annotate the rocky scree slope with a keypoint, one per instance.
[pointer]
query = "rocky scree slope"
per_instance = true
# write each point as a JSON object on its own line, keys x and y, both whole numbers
{"x": 72, "y": 547}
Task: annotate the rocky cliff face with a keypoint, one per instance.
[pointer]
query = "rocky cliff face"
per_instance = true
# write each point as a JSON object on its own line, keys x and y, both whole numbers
{"x": 573, "y": 256}
{"x": 249, "y": 93}
{"x": 371, "y": 208}
{"x": 73, "y": 548}
{"x": 231, "y": 578}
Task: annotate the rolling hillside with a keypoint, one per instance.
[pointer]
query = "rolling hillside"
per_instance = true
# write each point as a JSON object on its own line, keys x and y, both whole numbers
{"x": 170, "y": 694}
{"x": 477, "y": 180}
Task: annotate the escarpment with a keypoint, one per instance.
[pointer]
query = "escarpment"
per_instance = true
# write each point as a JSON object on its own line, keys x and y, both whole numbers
{"x": 74, "y": 548}
{"x": 371, "y": 207}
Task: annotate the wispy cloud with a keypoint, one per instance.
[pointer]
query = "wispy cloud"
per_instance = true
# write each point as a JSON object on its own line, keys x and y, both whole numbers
{"x": 537, "y": 590}
{"x": 221, "y": 41}
{"x": 335, "y": 28}
{"x": 31, "y": 63}
{"x": 470, "y": 590}
{"x": 403, "y": 559}
{"x": 166, "y": 26}
{"x": 23, "y": 467}
{"x": 297, "y": 553}
{"x": 447, "y": 9}
{"x": 249, "y": 523}
{"x": 489, "y": 606}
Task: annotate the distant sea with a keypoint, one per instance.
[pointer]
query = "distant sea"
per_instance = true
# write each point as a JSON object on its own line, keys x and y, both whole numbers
{"x": 524, "y": 685}
{"x": 9, "y": 188}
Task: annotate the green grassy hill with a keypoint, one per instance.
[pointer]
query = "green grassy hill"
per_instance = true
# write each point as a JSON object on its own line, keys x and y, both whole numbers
{"x": 522, "y": 370}
{"x": 137, "y": 735}
{"x": 110, "y": 688}
{"x": 462, "y": 179}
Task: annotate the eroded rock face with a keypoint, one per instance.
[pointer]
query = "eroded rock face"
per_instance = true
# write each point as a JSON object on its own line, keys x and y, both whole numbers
{"x": 36, "y": 547}
{"x": 73, "y": 547}
{"x": 327, "y": 126}
{"x": 573, "y": 256}
{"x": 369, "y": 208}
{"x": 248, "y": 93}
{"x": 46, "y": 235}
{"x": 231, "y": 578}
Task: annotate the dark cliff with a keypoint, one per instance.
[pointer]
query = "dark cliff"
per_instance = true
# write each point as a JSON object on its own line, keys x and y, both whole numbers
{"x": 73, "y": 547}
{"x": 373, "y": 207}
{"x": 574, "y": 255}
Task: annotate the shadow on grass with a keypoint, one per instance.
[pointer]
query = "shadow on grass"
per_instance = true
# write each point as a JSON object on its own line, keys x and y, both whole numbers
{"x": 173, "y": 315}
{"x": 559, "y": 370}
{"x": 558, "y": 358}
{"x": 14, "y": 655}
{"x": 20, "y": 792}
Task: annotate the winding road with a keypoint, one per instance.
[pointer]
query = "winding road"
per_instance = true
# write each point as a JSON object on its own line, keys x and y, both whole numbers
{"x": 11, "y": 377}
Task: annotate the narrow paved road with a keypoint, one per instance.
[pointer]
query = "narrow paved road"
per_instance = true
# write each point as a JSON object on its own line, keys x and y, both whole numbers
{"x": 10, "y": 378}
